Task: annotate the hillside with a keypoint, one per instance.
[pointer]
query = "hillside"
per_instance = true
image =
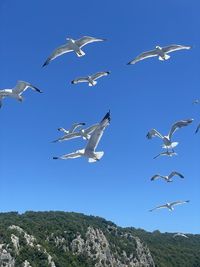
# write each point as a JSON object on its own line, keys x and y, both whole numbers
{"x": 63, "y": 239}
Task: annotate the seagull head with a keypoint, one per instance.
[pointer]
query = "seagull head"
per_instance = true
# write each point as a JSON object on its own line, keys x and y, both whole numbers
{"x": 158, "y": 47}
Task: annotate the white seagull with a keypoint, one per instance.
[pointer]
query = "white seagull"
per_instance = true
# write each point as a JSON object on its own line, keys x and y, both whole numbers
{"x": 72, "y": 45}
{"x": 166, "y": 153}
{"x": 73, "y": 128}
{"x": 180, "y": 234}
{"x": 17, "y": 91}
{"x": 167, "y": 178}
{"x": 89, "y": 151}
{"x": 91, "y": 79}
{"x": 169, "y": 206}
{"x": 160, "y": 52}
{"x": 168, "y": 144}
{"x": 84, "y": 133}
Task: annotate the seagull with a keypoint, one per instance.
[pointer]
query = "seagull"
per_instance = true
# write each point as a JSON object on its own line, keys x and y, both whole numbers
{"x": 17, "y": 91}
{"x": 167, "y": 178}
{"x": 72, "y": 45}
{"x": 166, "y": 153}
{"x": 170, "y": 205}
{"x": 180, "y": 234}
{"x": 168, "y": 144}
{"x": 89, "y": 151}
{"x": 161, "y": 52}
{"x": 196, "y": 101}
{"x": 91, "y": 79}
{"x": 84, "y": 133}
{"x": 73, "y": 128}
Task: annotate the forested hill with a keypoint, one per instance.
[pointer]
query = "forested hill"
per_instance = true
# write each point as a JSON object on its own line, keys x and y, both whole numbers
{"x": 67, "y": 239}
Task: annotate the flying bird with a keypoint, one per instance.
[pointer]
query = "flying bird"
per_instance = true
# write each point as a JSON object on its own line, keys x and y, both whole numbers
{"x": 90, "y": 149}
{"x": 72, "y": 45}
{"x": 17, "y": 91}
{"x": 84, "y": 133}
{"x": 160, "y": 52}
{"x": 170, "y": 205}
{"x": 196, "y": 101}
{"x": 180, "y": 234}
{"x": 73, "y": 128}
{"x": 166, "y": 153}
{"x": 167, "y": 178}
{"x": 91, "y": 80}
{"x": 167, "y": 143}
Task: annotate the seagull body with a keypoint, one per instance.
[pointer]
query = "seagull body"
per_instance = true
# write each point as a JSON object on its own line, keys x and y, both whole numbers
{"x": 89, "y": 151}
{"x": 72, "y": 129}
{"x": 167, "y": 178}
{"x": 84, "y": 133}
{"x": 166, "y": 153}
{"x": 160, "y": 52}
{"x": 167, "y": 143}
{"x": 72, "y": 45}
{"x": 17, "y": 91}
{"x": 169, "y": 206}
{"x": 180, "y": 234}
{"x": 91, "y": 79}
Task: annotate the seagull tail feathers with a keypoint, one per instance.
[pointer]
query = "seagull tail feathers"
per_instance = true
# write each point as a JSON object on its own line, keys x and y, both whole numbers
{"x": 166, "y": 57}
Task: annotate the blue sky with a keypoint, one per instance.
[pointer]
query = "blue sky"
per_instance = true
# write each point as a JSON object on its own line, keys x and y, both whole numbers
{"x": 150, "y": 94}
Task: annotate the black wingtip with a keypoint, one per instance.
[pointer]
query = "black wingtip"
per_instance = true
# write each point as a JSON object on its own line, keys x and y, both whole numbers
{"x": 72, "y": 82}
{"x": 55, "y": 157}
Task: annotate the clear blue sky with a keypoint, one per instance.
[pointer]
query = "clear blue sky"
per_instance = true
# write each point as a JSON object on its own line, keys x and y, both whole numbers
{"x": 150, "y": 94}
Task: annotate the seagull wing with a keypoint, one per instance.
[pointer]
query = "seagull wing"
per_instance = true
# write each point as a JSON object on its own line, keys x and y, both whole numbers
{"x": 22, "y": 86}
{"x": 99, "y": 75}
{"x": 153, "y": 133}
{"x": 76, "y": 125}
{"x": 58, "y": 52}
{"x": 80, "y": 80}
{"x": 91, "y": 129}
{"x": 86, "y": 40}
{"x": 197, "y": 129}
{"x": 151, "y": 53}
{"x": 72, "y": 155}
{"x": 175, "y": 173}
{"x": 155, "y": 177}
{"x": 97, "y": 133}
{"x": 159, "y": 207}
{"x": 178, "y": 202}
{"x": 179, "y": 124}
{"x": 63, "y": 130}
{"x": 172, "y": 48}
{"x": 68, "y": 136}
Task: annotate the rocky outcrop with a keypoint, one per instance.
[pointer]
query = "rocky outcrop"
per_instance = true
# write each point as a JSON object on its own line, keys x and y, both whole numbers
{"x": 6, "y": 260}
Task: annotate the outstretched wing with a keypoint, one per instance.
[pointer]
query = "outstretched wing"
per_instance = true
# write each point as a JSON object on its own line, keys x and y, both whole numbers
{"x": 76, "y": 125}
{"x": 155, "y": 177}
{"x": 68, "y": 136}
{"x": 99, "y": 75}
{"x": 86, "y": 40}
{"x": 179, "y": 124}
{"x": 159, "y": 207}
{"x": 58, "y": 52}
{"x": 80, "y": 80}
{"x": 151, "y": 53}
{"x": 153, "y": 133}
{"x": 179, "y": 202}
{"x": 72, "y": 155}
{"x": 97, "y": 133}
{"x": 22, "y": 86}
{"x": 172, "y": 48}
{"x": 91, "y": 129}
{"x": 175, "y": 173}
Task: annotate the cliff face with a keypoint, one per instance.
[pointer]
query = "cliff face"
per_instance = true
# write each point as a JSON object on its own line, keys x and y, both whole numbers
{"x": 58, "y": 239}
{"x": 28, "y": 243}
